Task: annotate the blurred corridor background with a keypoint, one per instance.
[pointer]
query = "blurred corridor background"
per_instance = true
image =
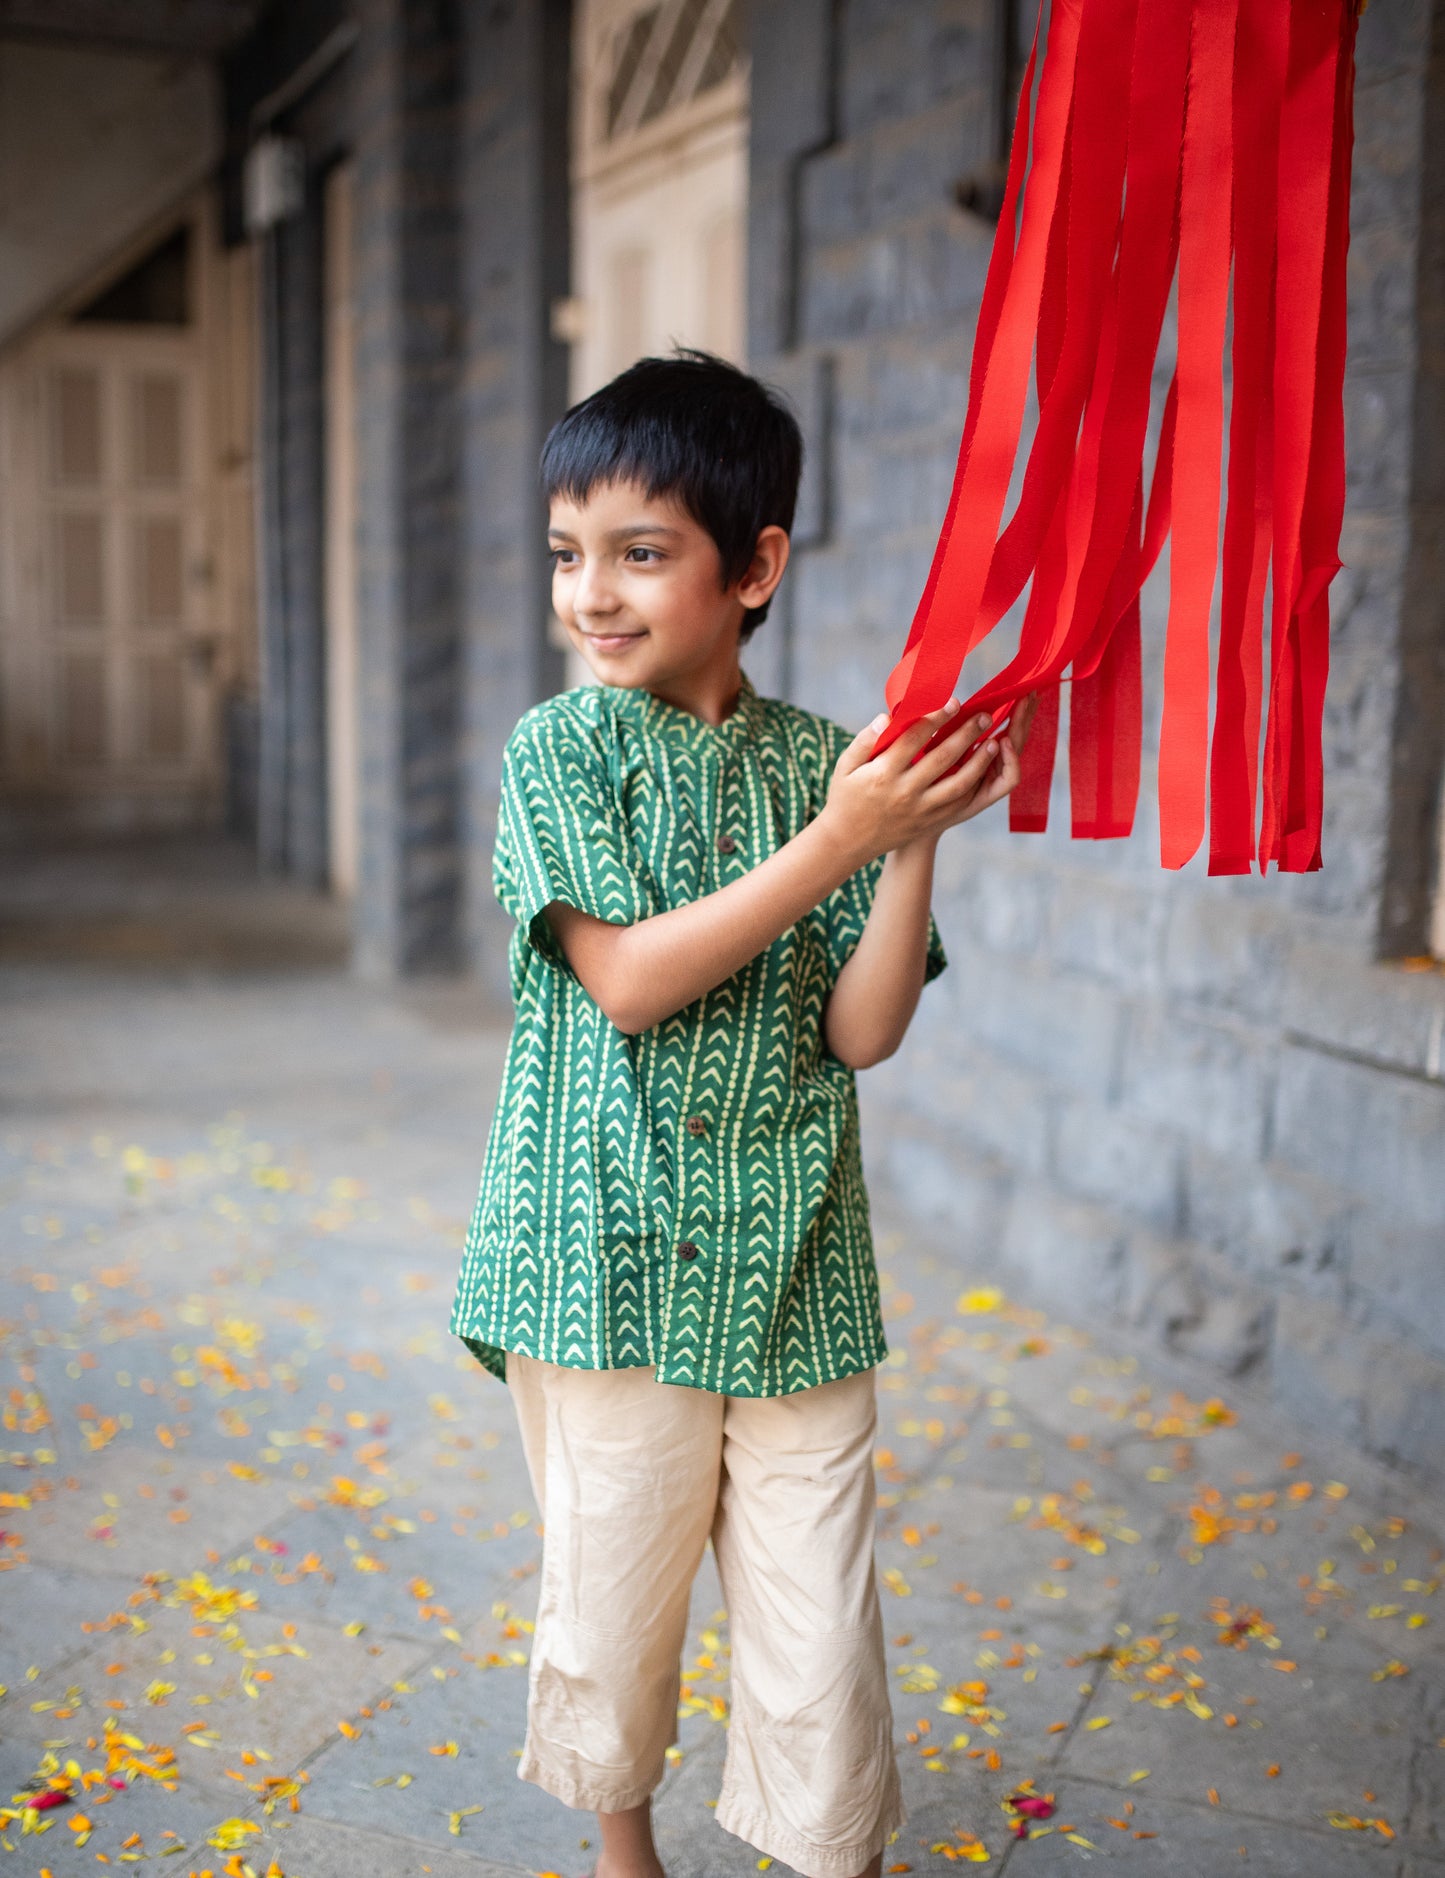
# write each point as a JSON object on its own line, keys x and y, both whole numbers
{"x": 289, "y": 296}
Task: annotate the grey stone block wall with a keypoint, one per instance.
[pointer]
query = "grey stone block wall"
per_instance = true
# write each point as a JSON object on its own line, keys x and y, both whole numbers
{"x": 1211, "y": 1109}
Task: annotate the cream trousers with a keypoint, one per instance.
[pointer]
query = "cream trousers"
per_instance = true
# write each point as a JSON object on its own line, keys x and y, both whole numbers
{"x": 632, "y": 1476}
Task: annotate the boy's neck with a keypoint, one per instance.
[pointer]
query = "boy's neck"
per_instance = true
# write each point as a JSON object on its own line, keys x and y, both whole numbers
{"x": 710, "y": 694}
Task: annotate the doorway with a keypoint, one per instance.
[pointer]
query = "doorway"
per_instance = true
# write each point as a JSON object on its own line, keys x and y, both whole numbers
{"x": 125, "y": 578}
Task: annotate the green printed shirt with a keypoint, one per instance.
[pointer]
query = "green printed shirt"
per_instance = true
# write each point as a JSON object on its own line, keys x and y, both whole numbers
{"x": 691, "y": 1197}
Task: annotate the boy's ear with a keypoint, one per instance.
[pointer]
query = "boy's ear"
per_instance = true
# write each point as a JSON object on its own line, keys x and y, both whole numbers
{"x": 765, "y": 570}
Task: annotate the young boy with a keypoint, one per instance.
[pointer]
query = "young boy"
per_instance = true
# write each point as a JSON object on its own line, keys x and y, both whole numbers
{"x": 670, "y": 1261}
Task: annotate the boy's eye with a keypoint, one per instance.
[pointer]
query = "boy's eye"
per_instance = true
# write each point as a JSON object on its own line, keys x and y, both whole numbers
{"x": 640, "y": 555}
{"x": 562, "y": 557}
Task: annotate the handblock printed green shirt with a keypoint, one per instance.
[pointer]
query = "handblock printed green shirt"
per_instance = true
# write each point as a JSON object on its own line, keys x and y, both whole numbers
{"x": 691, "y": 1197}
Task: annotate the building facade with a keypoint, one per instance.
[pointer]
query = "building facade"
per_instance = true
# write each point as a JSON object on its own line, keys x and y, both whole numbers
{"x": 1213, "y": 1109}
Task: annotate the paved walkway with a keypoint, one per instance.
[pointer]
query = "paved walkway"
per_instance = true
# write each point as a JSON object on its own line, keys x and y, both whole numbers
{"x": 271, "y": 1552}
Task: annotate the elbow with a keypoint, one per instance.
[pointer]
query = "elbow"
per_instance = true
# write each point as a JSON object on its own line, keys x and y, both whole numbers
{"x": 613, "y": 987}
{"x": 863, "y": 1053}
{"x": 622, "y": 1013}
{"x": 626, "y": 1008}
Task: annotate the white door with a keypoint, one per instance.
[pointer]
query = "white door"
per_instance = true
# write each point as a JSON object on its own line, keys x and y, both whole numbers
{"x": 659, "y": 183}
{"x": 659, "y": 187}
{"x": 111, "y": 595}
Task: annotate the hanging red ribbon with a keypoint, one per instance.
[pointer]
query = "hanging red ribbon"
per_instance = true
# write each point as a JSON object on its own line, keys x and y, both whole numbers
{"x": 1207, "y": 139}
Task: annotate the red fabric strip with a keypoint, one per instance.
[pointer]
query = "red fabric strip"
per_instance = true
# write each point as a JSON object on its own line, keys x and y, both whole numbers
{"x": 1028, "y": 806}
{"x": 1106, "y": 711}
{"x": 1305, "y": 140}
{"x": 1204, "y": 248}
{"x": 1101, "y": 490}
{"x": 1106, "y": 705}
{"x": 1075, "y": 289}
{"x": 925, "y": 676}
{"x": 1261, "y": 61}
{"x": 1235, "y": 142}
{"x": 1324, "y": 504}
{"x": 1137, "y": 563}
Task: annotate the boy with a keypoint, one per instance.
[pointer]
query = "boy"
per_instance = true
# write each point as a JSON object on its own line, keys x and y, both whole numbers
{"x": 670, "y": 1260}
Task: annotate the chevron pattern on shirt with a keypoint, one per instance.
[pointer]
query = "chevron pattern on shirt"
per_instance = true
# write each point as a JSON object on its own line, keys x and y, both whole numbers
{"x": 692, "y": 1197}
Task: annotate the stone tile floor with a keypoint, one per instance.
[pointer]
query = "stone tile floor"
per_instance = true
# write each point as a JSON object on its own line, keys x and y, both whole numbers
{"x": 269, "y": 1548}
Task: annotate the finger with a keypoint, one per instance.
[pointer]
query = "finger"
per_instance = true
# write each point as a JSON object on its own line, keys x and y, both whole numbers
{"x": 1002, "y": 780}
{"x": 953, "y": 748}
{"x": 967, "y": 777}
{"x": 999, "y": 782}
{"x": 860, "y": 749}
{"x": 918, "y": 736}
{"x": 1022, "y": 719}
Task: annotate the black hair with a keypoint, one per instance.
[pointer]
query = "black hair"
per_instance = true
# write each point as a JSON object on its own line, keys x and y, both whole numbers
{"x": 693, "y": 428}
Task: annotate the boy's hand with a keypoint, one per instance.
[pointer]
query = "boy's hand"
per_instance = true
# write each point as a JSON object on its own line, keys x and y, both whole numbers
{"x": 876, "y": 804}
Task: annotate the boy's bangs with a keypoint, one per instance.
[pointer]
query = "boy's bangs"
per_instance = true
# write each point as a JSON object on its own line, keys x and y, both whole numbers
{"x": 596, "y": 454}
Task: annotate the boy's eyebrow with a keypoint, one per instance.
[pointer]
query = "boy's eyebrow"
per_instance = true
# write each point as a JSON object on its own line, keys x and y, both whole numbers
{"x": 625, "y": 533}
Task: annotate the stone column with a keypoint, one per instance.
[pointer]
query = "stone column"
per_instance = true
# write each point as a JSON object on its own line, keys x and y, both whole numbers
{"x": 408, "y": 325}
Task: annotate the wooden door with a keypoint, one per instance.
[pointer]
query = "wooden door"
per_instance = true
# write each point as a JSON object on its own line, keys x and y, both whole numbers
{"x": 111, "y": 597}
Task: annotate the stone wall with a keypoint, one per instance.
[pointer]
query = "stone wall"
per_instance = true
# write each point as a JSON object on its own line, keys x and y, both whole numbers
{"x": 1211, "y": 1109}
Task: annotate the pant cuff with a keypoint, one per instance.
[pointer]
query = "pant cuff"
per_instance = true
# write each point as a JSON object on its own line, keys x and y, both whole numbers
{"x": 811, "y": 1861}
{"x": 589, "y": 1796}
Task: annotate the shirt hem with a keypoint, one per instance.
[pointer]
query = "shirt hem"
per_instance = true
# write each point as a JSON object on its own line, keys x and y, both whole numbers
{"x": 493, "y": 1358}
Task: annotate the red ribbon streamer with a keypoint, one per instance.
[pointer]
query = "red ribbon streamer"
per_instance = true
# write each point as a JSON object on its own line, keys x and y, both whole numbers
{"x": 1230, "y": 164}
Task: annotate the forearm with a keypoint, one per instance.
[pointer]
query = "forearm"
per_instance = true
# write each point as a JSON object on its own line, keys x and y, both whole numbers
{"x": 877, "y": 992}
{"x": 642, "y": 974}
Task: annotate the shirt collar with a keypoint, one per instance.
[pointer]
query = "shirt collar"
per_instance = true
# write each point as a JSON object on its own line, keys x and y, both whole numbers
{"x": 660, "y": 719}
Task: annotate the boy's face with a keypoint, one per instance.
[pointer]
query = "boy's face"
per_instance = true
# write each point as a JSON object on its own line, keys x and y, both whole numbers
{"x": 636, "y": 582}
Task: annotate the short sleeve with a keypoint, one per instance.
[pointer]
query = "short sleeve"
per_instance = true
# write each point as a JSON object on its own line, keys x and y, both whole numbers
{"x": 562, "y": 834}
{"x": 845, "y": 912}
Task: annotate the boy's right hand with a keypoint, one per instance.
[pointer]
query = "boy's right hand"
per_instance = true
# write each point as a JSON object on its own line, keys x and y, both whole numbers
{"x": 879, "y": 803}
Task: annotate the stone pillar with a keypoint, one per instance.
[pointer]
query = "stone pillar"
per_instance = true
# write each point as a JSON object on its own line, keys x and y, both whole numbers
{"x": 406, "y": 109}
{"x": 291, "y": 807}
{"x": 1411, "y": 329}
{"x": 515, "y": 212}
{"x": 792, "y": 117}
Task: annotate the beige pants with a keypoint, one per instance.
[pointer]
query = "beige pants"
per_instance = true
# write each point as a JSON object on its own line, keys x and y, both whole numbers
{"x": 632, "y": 1476}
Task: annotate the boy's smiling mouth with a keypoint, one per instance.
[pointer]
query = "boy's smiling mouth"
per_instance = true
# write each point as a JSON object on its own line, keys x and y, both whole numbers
{"x": 611, "y": 642}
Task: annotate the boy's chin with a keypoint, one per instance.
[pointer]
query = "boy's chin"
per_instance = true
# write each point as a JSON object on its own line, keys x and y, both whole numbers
{"x": 625, "y": 671}
{"x": 602, "y": 674}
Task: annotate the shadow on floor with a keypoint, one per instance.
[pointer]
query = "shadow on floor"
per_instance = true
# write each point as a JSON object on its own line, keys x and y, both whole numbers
{"x": 161, "y": 902}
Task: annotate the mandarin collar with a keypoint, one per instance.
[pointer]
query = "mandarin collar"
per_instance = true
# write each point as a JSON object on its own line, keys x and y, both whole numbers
{"x": 658, "y": 718}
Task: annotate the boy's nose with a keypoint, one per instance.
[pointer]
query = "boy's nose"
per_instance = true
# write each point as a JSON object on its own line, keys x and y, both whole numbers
{"x": 594, "y": 591}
